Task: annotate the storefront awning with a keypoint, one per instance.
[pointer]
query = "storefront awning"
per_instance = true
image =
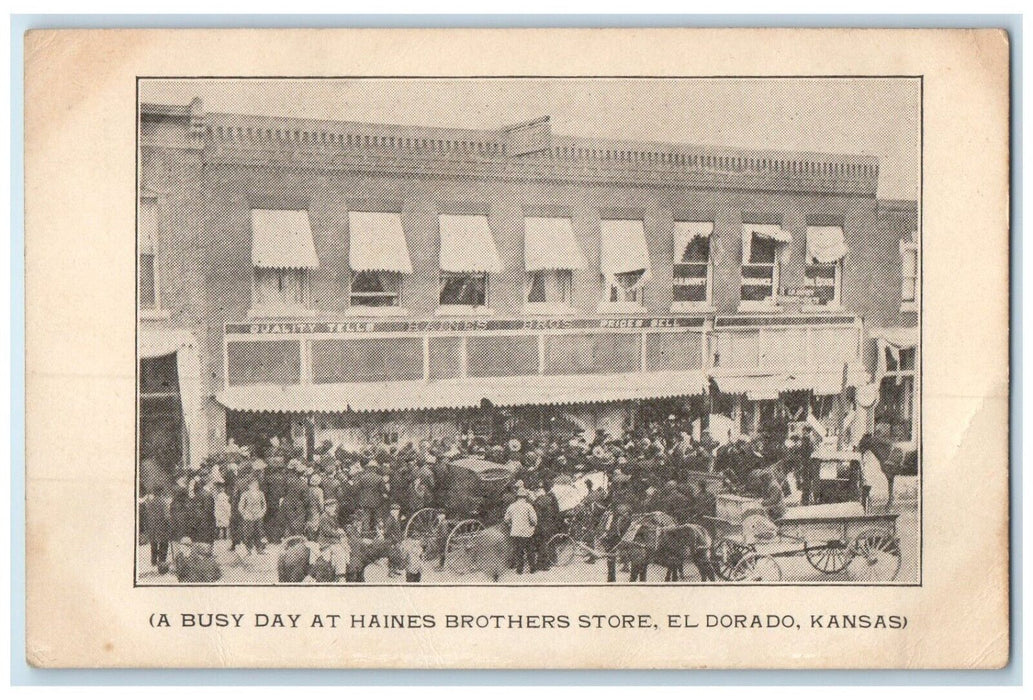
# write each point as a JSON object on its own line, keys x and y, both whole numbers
{"x": 549, "y": 244}
{"x": 902, "y": 338}
{"x": 825, "y": 244}
{"x": 282, "y": 238}
{"x": 461, "y": 393}
{"x": 467, "y": 245}
{"x": 769, "y": 386}
{"x": 623, "y": 248}
{"x": 159, "y": 342}
{"x": 376, "y": 243}
{"x": 685, "y": 232}
{"x": 772, "y": 232}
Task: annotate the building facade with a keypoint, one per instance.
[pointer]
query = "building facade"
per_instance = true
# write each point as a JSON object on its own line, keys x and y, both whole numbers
{"x": 319, "y": 280}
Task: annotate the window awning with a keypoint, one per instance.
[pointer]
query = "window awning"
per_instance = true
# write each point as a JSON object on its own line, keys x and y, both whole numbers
{"x": 772, "y": 232}
{"x": 685, "y": 232}
{"x": 467, "y": 244}
{"x": 461, "y": 393}
{"x": 549, "y": 244}
{"x": 282, "y": 238}
{"x": 147, "y": 231}
{"x": 825, "y": 244}
{"x": 623, "y": 248}
{"x": 376, "y": 242}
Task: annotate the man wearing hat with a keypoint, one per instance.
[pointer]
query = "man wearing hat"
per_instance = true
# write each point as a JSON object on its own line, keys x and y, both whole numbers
{"x": 522, "y": 519}
{"x": 393, "y": 536}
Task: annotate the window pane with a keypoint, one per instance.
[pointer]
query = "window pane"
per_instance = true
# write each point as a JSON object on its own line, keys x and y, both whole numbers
{"x": 595, "y": 353}
{"x": 758, "y": 272}
{"x": 375, "y": 289}
{"x": 536, "y": 293}
{"x": 697, "y": 251}
{"x": 504, "y": 356}
{"x": 763, "y": 250}
{"x": 148, "y": 296}
{"x": 694, "y": 271}
{"x": 463, "y": 289}
{"x": 690, "y": 292}
{"x": 673, "y": 351}
{"x": 279, "y": 287}
{"x": 755, "y": 292}
{"x": 264, "y": 362}
{"x": 367, "y": 360}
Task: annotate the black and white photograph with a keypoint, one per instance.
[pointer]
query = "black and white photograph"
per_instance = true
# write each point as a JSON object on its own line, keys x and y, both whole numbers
{"x": 529, "y": 331}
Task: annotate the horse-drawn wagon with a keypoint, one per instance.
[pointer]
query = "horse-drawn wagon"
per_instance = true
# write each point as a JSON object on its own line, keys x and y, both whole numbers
{"x": 825, "y": 518}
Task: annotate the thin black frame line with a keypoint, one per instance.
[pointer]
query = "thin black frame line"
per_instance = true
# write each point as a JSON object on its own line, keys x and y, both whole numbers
{"x": 809, "y": 584}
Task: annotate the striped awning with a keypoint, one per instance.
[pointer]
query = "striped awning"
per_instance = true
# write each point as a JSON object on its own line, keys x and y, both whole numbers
{"x": 772, "y": 232}
{"x": 549, "y": 244}
{"x": 461, "y": 393}
{"x": 467, "y": 244}
{"x": 825, "y": 244}
{"x": 623, "y": 248}
{"x": 376, "y": 242}
{"x": 685, "y": 232}
{"x": 282, "y": 238}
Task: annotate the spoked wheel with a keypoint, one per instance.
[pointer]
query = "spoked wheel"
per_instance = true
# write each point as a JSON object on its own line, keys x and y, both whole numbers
{"x": 756, "y": 567}
{"x": 459, "y": 550}
{"x": 562, "y": 549}
{"x": 422, "y": 526}
{"x": 829, "y": 558}
{"x": 876, "y": 556}
{"x": 726, "y": 556}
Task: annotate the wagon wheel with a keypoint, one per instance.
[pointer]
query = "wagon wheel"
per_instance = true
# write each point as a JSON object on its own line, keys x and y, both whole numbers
{"x": 459, "y": 553}
{"x": 876, "y": 556}
{"x": 727, "y": 554}
{"x": 756, "y": 567}
{"x": 562, "y": 549}
{"x": 422, "y": 526}
{"x": 829, "y": 558}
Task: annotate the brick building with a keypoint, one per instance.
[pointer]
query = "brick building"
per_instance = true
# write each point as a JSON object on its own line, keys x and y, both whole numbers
{"x": 364, "y": 282}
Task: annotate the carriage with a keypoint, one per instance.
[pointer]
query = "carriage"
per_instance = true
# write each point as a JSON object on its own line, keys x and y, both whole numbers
{"x": 825, "y": 519}
{"x": 474, "y": 496}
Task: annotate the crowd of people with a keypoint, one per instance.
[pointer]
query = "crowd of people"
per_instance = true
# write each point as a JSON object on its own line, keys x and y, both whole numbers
{"x": 340, "y": 509}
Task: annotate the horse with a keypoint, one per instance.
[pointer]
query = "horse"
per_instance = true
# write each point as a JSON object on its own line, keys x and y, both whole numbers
{"x": 893, "y": 461}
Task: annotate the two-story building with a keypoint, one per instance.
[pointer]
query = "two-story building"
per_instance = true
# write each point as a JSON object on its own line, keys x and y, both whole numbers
{"x": 320, "y": 280}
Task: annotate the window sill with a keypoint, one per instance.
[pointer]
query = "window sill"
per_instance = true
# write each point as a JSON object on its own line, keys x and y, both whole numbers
{"x": 548, "y": 310}
{"x": 376, "y": 311}
{"x": 692, "y": 307}
{"x": 828, "y": 309}
{"x": 280, "y": 312}
{"x": 153, "y": 314}
{"x": 766, "y": 307}
{"x": 909, "y": 306}
{"x": 457, "y": 310}
{"x": 621, "y": 307}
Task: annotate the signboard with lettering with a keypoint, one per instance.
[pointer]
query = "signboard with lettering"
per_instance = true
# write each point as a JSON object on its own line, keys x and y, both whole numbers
{"x": 529, "y": 137}
{"x": 459, "y": 325}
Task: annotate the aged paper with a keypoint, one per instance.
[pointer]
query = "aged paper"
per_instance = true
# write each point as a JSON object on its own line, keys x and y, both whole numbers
{"x": 517, "y": 348}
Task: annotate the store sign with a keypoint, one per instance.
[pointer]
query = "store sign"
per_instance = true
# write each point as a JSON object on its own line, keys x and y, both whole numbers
{"x": 459, "y": 325}
{"x": 800, "y": 292}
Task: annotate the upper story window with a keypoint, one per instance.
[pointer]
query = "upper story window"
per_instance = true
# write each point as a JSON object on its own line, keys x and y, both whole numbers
{"x": 551, "y": 254}
{"x": 909, "y": 272}
{"x": 624, "y": 264}
{"x": 468, "y": 257}
{"x": 693, "y": 271}
{"x": 763, "y": 246}
{"x": 379, "y": 258}
{"x": 147, "y": 235}
{"x": 823, "y": 270}
{"x": 282, "y": 255}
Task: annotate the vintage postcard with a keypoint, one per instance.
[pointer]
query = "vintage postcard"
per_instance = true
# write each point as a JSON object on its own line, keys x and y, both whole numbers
{"x": 517, "y": 349}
